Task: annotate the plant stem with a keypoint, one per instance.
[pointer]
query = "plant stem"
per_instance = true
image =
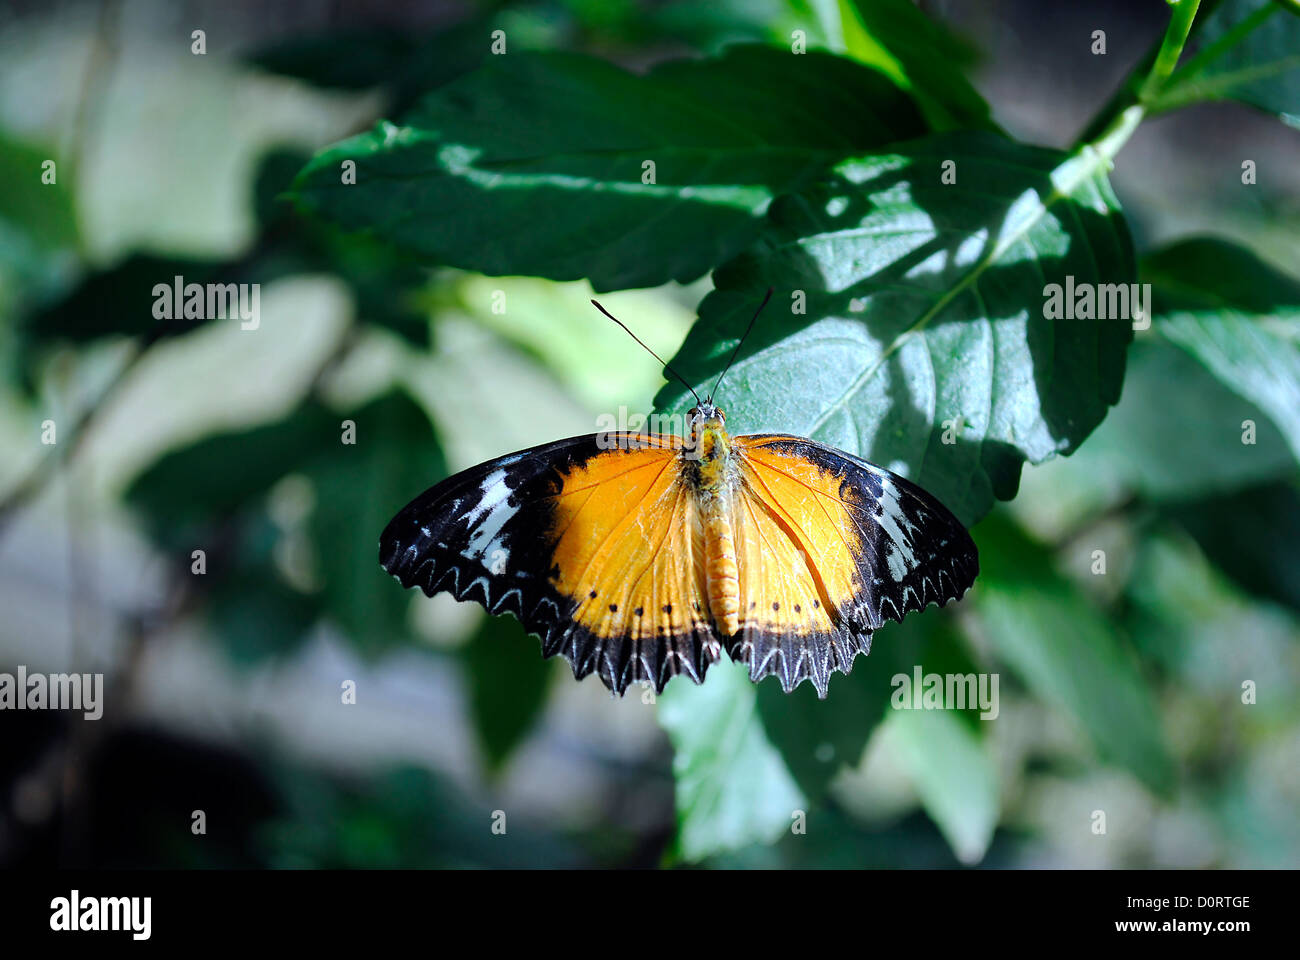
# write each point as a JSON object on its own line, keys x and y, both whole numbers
{"x": 1113, "y": 138}
{"x": 1171, "y": 48}
{"x": 1174, "y": 94}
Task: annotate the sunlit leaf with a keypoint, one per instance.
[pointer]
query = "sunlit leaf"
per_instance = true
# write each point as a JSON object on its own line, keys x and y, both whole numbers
{"x": 908, "y": 324}
{"x": 732, "y": 787}
{"x": 599, "y": 167}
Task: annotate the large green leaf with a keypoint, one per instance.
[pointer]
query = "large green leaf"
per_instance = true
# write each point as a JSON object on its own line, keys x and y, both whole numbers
{"x": 1066, "y": 651}
{"x": 1246, "y": 50}
{"x": 732, "y": 787}
{"x": 924, "y": 310}
{"x": 560, "y": 191}
{"x": 1238, "y": 316}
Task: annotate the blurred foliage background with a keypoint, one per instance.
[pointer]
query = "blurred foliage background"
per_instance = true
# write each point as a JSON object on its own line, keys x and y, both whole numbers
{"x": 1121, "y": 691}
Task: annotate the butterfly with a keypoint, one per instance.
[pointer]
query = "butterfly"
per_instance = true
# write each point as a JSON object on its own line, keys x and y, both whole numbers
{"x": 643, "y": 556}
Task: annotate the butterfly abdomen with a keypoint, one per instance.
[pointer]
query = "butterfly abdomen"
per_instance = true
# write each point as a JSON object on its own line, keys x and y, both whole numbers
{"x": 721, "y": 573}
{"x": 712, "y": 478}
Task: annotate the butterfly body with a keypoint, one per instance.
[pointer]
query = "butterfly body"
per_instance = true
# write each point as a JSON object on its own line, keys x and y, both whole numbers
{"x": 642, "y": 556}
{"x": 714, "y": 474}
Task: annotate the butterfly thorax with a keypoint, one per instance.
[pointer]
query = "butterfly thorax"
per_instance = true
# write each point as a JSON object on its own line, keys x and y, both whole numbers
{"x": 709, "y": 453}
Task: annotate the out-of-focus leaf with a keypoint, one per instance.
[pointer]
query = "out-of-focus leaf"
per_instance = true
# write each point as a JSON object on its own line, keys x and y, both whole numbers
{"x": 359, "y": 487}
{"x": 118, "y": 300}
{"x": 599, "y": 166}
{"x": 1066, "y": 651}
{"x": 1246, "y": 50}
{"x": 906, "y": 309}
{"x": 217, "y": 477}
{"x": 897, "y": 38}
{"x": 892, "y": 36}
{"x": 256, "y": 614}
{"x": 816, "y": 738}
{"x": 1253, "y": 536}
{"x": 38, "y": 240}
{"x": 193, "y": 494}
{"x": 406, "y": 64}
{"x": 732, "y": 787}
{"x": 1238, "y": 316}
{"x": 1175, "y": 435}
{"x": 41, "y": 212}
{"x": 954, "y": 775}
{"x": 507, "y": 685}
{"x": 385, "y": 821}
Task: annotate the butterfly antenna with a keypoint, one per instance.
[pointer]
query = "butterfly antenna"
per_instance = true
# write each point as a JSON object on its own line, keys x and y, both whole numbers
{"x": 714, "y": 392}
{"x": 597, "y": 305}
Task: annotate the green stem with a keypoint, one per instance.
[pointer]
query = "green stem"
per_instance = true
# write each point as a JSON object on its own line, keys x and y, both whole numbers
{"x": 1173, "y": 94}
{"x": 1113, "y": 138}
{"x": 1171, "y": 48}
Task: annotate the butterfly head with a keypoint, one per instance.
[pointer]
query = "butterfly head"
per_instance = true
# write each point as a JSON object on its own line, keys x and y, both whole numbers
{"x": 705, "y": 414}
{"x": 707, "y": 443}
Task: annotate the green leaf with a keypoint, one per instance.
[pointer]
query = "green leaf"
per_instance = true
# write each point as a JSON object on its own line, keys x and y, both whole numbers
{"x": 406, "y": 64}
{"x": 254, "y": 611}
{"x": 192, "y": 496}
{"x": 561, "y": 190}
{"x": 924, "y": 309}
{"x": 1247, "y": 50}
{"x": 918, "y": 54}
{"x": 43, "y": 212}
{"x": 118, "y": 300}
{"x": 1236, "y": 315}
{"x": 1066, "y": 651}
{"x": 359, "y": 487}
{"x": 507, "y": 684}
{"x": 817, "y": 738}
{"x": 893, "y": 36}
{"x": 1176, "y": 435}
{"x": 732, "y": 788}
{"x": 195, "y": 487}
{"x": 1252, "y": 536}
{"x": 954, "y": 775}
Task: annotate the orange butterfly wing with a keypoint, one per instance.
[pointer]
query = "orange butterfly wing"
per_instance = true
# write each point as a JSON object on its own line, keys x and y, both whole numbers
{"x": 593, "y": 543}
{"x": 628, "y": 551}
{"x": 828, "y": 547}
